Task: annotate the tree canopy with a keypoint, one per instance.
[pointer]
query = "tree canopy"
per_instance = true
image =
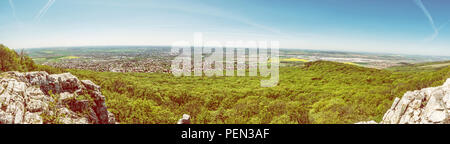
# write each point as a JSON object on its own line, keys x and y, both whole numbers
{"x": 13, "y": 61}
{"x": 318, "y": 92}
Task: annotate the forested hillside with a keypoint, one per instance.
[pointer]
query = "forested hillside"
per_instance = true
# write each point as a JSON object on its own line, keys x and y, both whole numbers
{"x": 319, "y": 92}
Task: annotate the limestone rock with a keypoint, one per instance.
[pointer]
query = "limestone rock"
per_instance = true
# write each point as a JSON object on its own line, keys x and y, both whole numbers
{"x": 33, "y": 118}
{"x": 367, "y": 122}
{"x": 37, "y": 98}
{"x": 185, "y": 119}
{"x": 426, "y": 106}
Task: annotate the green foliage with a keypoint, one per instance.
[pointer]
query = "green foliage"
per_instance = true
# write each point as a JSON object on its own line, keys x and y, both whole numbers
{"x": 318, "y": 92}
{"x": 12, "y": 61}
{"x": 48, "y": 69}
{"x": 9, "y": 59}
{"x": 51, "y": 116}
{"x": 427, "y": 66}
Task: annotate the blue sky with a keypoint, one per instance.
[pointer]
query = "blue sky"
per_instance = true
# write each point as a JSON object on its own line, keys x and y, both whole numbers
{"x": 388, "y": 26}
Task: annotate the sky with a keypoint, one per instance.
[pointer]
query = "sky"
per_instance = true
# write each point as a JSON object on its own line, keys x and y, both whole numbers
{"x": 382, "y": 26}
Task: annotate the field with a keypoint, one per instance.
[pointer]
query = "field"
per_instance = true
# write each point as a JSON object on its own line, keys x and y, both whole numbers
{"x": 158, "y": 58}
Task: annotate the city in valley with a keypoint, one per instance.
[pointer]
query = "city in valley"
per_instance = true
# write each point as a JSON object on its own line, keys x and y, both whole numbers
{"x": 151, "y": 59}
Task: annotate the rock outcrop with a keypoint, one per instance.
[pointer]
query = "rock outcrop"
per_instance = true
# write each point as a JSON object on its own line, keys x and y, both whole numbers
{"x": 40, "y": 98}
{"x": 185, "y": 119}
{"x": 426, "y": 106}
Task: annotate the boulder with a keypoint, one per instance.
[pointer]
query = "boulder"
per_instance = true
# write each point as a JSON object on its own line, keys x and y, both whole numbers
{"x": 185, "y": 119}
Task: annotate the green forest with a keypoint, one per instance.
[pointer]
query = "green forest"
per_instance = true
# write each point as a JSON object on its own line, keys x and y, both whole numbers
{"x": 316, "y": 92}
{"x": 13, "y": 61}
{"x": 319, "y": 92}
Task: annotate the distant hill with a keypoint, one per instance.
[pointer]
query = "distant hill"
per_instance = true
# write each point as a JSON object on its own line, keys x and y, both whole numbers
{"x": 427, "y": 66}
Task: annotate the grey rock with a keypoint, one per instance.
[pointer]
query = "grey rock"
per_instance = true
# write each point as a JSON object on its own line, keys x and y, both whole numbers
{"x": 185, "y": 119}
{"x": 111, "y": 118}
{"x": 426, "y": 106}
{"x": 33, "y": 118}
{"x": 36, "y": 105}
{"x": 25, "y": 98}
{"x": 6, "y": 118}
{"x": 90, "y": 85}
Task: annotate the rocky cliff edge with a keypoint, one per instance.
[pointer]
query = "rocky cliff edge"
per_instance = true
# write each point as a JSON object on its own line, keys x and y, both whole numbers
{"x": 40, "y": 98}
{"x": 426, "y": 106}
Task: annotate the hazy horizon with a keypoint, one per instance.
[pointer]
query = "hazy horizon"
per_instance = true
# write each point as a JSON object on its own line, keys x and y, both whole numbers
{"x": 301, "y": 49}
{"x": 411, "y": 27}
